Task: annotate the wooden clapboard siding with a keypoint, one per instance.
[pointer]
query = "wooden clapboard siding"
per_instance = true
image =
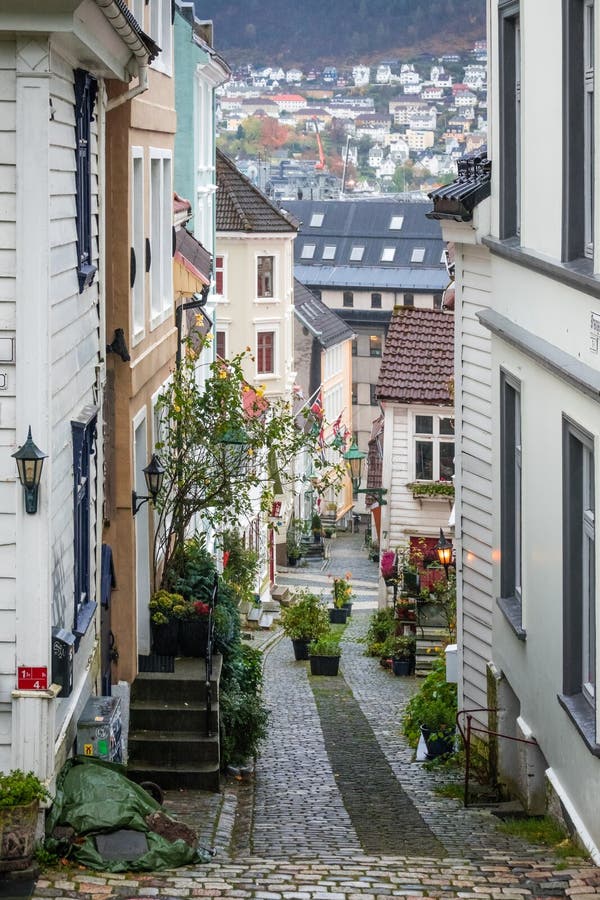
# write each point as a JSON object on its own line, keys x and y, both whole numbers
{"x": 474, "y": 499}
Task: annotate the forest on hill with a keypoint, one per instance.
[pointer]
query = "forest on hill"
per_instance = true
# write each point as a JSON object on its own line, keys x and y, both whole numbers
{"x": 341, "y": 32}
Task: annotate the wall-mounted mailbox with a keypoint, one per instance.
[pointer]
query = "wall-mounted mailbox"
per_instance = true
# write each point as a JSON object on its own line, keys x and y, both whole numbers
{"x": 63, "y": 651}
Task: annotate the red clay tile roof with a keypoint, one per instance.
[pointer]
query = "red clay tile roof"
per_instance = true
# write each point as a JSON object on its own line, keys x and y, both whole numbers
{"x": 242, "y": 207}
{"x": 418, "y": 361}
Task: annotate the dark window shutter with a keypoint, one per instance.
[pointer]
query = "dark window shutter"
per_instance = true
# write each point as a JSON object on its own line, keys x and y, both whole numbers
{"x": 148, "y": 255}
{"x": 132, "y": 267}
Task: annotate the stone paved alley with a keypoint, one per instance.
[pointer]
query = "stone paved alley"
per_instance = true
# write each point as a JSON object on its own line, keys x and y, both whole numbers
{"x": 338, "y": 809}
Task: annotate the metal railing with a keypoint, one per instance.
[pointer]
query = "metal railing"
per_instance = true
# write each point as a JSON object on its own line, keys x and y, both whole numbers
{"x": 481, "y": 730}
{"x": 208, "y": 654}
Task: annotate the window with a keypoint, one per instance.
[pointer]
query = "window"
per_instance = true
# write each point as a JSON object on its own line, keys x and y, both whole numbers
{"x": 220, "y": 276}
{"x": 409, "y": 299}
{"x": 356, "y": 254}
{"x": 373, "y": 395}
{"x": 221, "y": 344}
{"x": 138, "y": 12}
{"x": 396, "y": 223}
{"x": 308, "y": 251}
{"x": 418, "y": 255}
{"x": 375, "y": 345}
{"x": 316, "y": 220}
{"x": 510, "y": 495}
{"x": 265, "y": 266}
{"x": 85, "y": 98}
{"x": 329, "y": 251}
{"x": 578, "y": 140}
{"x": 160, "y": 31}
{"x": 83, "y": 435}
{"x": 354, "y": 346}
{"x": 375, "y": 301}
{"x": 316, "y": 292}
{"x": 434, "y": 448}
{"x": 348, "y": 298}
{"x": 354, "y": 393}
{"x": 388, "y": 254}
{"x": 510, "y": 117}
{"x": 437, "y": 301}
{"x": 137, "y": 271}
{"x": 579, "y": 572}
{"x": 161, "y": 240}
{"x": 334, "y": 361}
{"x": 265, "y": 353}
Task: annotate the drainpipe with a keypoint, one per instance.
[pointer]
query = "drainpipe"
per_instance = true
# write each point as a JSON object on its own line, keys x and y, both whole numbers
{"x": 141, "y": 86}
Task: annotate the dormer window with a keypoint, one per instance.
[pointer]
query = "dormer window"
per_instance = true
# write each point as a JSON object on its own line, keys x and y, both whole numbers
{"x": 329, "y": 251}
{"x": 356, "y": 254}
{"x": 316, "y": 220}
{"x": 388, "y": 254}
{"x": 308, "y": 251}
{"x": 418, "y": 255}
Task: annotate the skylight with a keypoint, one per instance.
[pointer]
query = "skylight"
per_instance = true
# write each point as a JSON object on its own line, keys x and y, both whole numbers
{"x": 308, "y": 251}
{"x": 329, "y": 251}
{"x": 418, "y": 254}
{"x": 316, "y": 220}
{"x": 396, "y": 223}
{"x": 356, "y": 254}
{"x": 387, "y": 254}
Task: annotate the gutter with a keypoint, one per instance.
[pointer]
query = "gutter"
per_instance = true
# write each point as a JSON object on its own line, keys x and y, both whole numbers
{"x": 140, "y": 88}
{"x": 141, "y": 45}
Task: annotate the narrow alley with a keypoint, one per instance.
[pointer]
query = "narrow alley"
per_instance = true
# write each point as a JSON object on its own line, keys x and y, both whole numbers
{"x": 337, "y": 808}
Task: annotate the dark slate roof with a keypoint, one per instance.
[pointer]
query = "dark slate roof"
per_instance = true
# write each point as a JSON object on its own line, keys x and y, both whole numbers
{"x": 242, "y": 207}
{"x": 192, "y": 250}
{"x": 457, "y": 200}
{"x": 322, "y": 322}
{"x": 366, "y": 223}
{"x": 418, "y": 360}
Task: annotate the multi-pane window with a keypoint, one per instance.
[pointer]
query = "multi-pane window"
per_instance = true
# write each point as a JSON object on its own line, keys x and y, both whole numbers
{"x": 160, "y": 30}
{"x": 510, "y": 117}
{"x": 137, "y": 272}
{"x": 333, "y": 361}
{"x": 373, "y": 395}
{"x": 434, "y": 448}
{"x": 161, "y": 241}
{"x": 308, "y": 251}
{"x": 221, "y": 345}
{"x": 85, "y": 98}
{"x": 375, "y": 301}
{"x": 578, "y": 53}
{"x": 356, "y": 254}
{"x": 579, "y": 572}
{"x": 265, "y": 353}
{"x": 220, "y": 276}
{"x": 375, "y": 345}
{"x": 83, "y": 435}
{"x": 265, "y": 271}
{"x": 510, "y": 488}
{"x": 409, "y": 299}
{"x": 348, "y": 298}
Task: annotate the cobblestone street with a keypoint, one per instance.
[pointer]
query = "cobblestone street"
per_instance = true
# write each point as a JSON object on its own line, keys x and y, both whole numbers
{"x": 338, "y": 809}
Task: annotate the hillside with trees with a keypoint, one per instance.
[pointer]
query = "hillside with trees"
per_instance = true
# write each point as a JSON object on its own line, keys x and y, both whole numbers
{"x": 341, "y": 32}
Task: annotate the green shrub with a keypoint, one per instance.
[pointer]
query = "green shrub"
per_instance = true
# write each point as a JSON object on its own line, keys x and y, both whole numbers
{"x": 306, "y": 618}
{"x": 382, "y": 625}
{"x": 18, "y": 788}
{"x": 434, "y": 705}
{"x": 327, "y": 645}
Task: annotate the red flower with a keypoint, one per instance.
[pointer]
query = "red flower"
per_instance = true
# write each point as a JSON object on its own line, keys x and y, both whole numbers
{"x": 202, "y": 609}
{"x": 225, "y": 557}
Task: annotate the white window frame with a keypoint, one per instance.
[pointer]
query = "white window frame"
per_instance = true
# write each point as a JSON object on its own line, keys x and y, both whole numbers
{"x": 333, "y": 361}
{"x": 274, "y": 298}
{"x": 589, "y": 41}
{"x": 435, "y": 438}
{"x": 418, "y": 255}
{"x": 396, "y": 223}
{"x": 329, "y": 251}
{"x": 308, "y": 251}
{"x": 316, "y": 220}
{"x": 161, "y": 237}
{"x": 161, "y": 30}
{"x": 388, "y": 254}
{"x": 356, "y": 253}
{"x": 260, "y": 329}
{"x": 220, "y": 329}
{"x": 138, "y": 230}
{"x": 221, "y": 298}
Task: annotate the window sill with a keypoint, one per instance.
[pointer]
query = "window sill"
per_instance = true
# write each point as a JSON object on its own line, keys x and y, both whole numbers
{"x": 577, "y": 274}
{"x": 583, "y": 717}
{"x": 85, "y": 616}
{"x": 512, "y": 611}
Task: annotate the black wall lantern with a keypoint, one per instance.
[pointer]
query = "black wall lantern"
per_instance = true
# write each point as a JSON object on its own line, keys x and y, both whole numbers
{"x": 444, "y": 551}
{"x": 154, "y": 473}
{"x": 30, "y": 461}
{"x": 354, "y": 458}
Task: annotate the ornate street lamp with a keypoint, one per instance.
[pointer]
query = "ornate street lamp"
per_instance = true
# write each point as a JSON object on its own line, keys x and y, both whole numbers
{"x": 154, "y": 473}
{"x": 354, "y": 458}
{"x": 30, "y": 460}
{"x": 444, "y": 552}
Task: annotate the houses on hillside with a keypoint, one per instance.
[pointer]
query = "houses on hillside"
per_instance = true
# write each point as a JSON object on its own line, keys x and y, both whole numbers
{"x": 527, "y": 387}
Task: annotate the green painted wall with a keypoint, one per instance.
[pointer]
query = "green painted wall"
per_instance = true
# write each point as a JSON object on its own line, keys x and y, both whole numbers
{"x": 187, "y": 57}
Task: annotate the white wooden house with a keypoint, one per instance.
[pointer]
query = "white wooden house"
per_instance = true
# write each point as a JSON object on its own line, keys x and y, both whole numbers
{"x": 52, "y": 73}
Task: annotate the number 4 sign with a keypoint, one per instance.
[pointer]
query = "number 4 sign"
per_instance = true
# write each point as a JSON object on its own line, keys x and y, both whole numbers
{"x": 32, "y": 678}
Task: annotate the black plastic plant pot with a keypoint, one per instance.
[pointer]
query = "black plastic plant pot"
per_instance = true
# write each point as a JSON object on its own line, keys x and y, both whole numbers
{"x": 338, "y": 616}
{"x": 324, "y": 665}
{"x": 401, "y": 666}
{"x": 439, "y": 746}
{"x": 300, "y": 648}
{"x": 348, "y": 608}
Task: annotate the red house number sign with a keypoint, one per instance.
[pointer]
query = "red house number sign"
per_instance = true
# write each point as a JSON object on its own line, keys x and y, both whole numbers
{"x": 32, "y": 678}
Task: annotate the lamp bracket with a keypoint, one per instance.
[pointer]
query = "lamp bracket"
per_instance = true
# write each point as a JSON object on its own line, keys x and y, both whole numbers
{"x": 137, "y": 501}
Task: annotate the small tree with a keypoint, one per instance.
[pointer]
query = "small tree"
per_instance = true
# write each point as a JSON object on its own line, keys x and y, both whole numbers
{"x": 223, "y": 446}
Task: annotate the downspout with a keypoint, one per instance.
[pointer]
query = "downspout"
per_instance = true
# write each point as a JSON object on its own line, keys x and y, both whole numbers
{"x": 141, "y": 86}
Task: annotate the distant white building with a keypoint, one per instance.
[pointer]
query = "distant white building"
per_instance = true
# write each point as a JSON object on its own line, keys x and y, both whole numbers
{"x": 294, "y": 76}
{"x": 375, "y": 156}
{"x": 440, "y": 77}
{"x": 383, "y": 74}
{"x": 412, "y": 88}
{"x": 361, "y": 75}
{"x": 408, "y": 75}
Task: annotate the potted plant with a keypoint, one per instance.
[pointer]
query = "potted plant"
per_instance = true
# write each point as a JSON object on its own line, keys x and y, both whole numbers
{"x": 388, "y": 566}
{"x": 20, "y": 796}
{"x": 316, "y": 526}
{"x": 166, "y": 611}
{"x": 342, "y": 600}
{"x": 194, "y": 630}
{"x": 304, "y": 621}
{"x": 431, "y": 712}
{"x": 325, "y": 655}
{"x": 403, "y": 647}
{"x": 405, "y": 611}
{"x": 293, "y": 552}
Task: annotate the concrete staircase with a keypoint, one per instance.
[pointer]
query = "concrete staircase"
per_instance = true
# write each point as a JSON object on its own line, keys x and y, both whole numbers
{"x": 429, "y": 637}
{"x": 168, "y": 744}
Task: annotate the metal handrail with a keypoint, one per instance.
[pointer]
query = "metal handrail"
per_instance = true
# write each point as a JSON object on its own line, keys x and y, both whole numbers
{"x": 208, "y": 654}
{"x": 482, "y": 730}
